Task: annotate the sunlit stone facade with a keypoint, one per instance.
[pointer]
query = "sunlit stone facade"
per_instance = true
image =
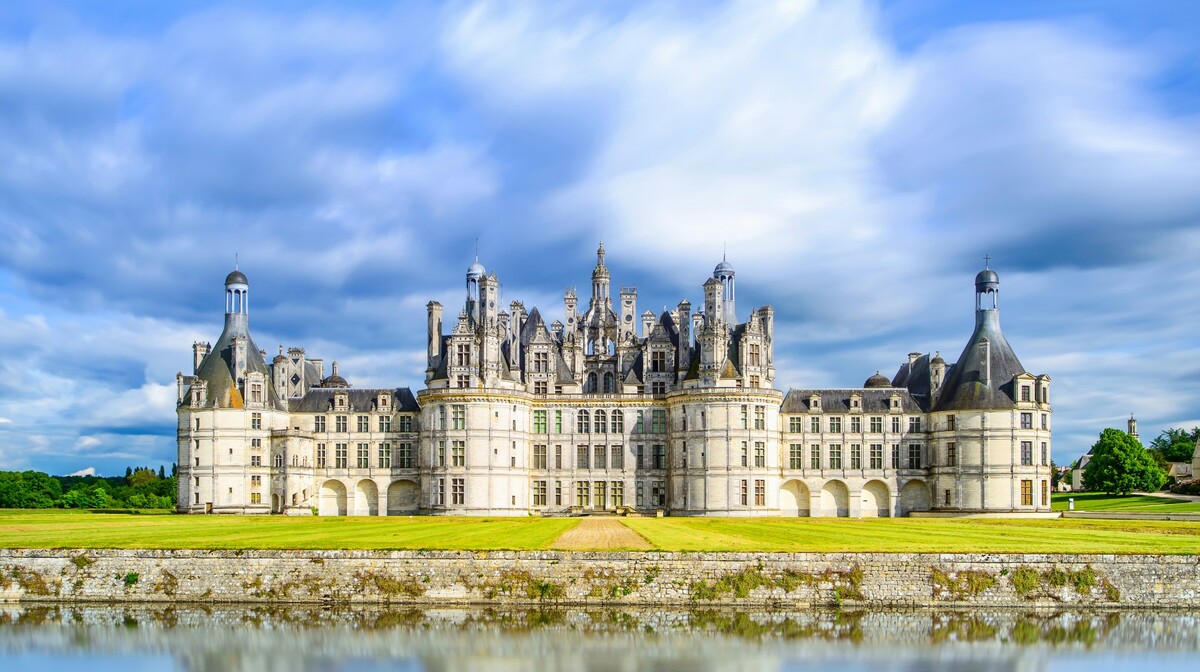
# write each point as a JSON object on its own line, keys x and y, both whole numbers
{"x": 610, "y": 410}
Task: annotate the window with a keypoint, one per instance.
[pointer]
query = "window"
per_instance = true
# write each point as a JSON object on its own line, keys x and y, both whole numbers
{"x": 640, "y": 457}
{"x": 364, "y": 423}
{"x": 895, "y": 456}
{"x": 745, "y": 411}
{"x": 582, "y": 494}
{"x": 385, "y": 423}
{"x": 835, "y": 456}
{"x": 340, "y": 423}
{"x": 581, "y": 457}
{"x": 583, "y": 422}
{"x": 951, "y": 422}
{"x": 458, "y": 416}
{"x": 753, "y": 355}
{"x": 914, "y": 424}
{"x": 1045, "y": 421}
{"x": 1045, "y": 494}
{"x": 1026, "y": 453}
{"x": 406, "y": 423}
{"x": 558, "y": 422}
{"x": 658, "y": 420}
{"x": 558, "y": 493}
{"x": 946, "y": 497}
{"x": 617, "y": 420}
{"x": 539, "y": 422}
{"x": 640, "y": 493}
{"x": 539, "y": 456}
{"x": 256, "y": 498}
{"x": 617, "y": 491}
{"x": 760, "y": 493}
{"x": 856, "y": 424}
{"x": 462, "y": 354}
{"x": 1024, "y": 393}
{"x": 760, "y": 417}
{"x": 745, "y": 454}
{"x": 385, "y": 456}
{"x": 618, "y": 457}
{"x": 599, "y": 453}
{"x": 1027, "y": 421}
{"x": 279, "y": 460}
{"x": 458, "y": 453}
{"x": 539, "y": 493}
{"x": 1045, "y": 454}
{"x": 364, "y": 456}
{"x": 541, "y": 362}
{"x": 319, "y": 423}
{"x": 814, "y": 424}
{"x": 658, "y": 493}
{"x": 856, "y": 456}
{"x": 951, "y": 454}
{"x": 441, "y": 454}
{"x": 404, "y": 455}
{"x": 255, "y": 444}
{"x": 835, "y": 424}
{"x": 814, "y": 456}
{"x": 600, "y": 422}
{"x": 256, "y": 421}
{"x": 639, "y": 426}
{"x": 1026, "y": 493}
{"x": 876, "y": 455}
{"x": 914, "y": 456}
{"x": 896, "y": 424}
{"x": 439, "y": 496}
{"x": 658, "y": 387}
{"x": 745, "y": 498}
{"x": 256, "y": 460}
{"x": 760, "y": 454}
{"x": 197, "y": 423}
{"x": 441, "y": 420}
{"x": 320, "y": 456}
{"x": 458, "y": 491}
{"x": 658, "y": 361}
{"x": 558, "y": 457}
{"x": 660, "y": 457}
{"x": 796, "y": 456}
{"x": 540, "y": 387}
{"x": 339, "y": 455}
{"x": 876, "y": 424}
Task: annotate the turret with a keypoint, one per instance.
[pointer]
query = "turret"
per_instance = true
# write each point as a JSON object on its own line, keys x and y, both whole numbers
{"x": 200, "y": 350}
{"x": 628, "y": 310}
{"x": 237, "y": 302}
{"x": 475, "y": 273}
{"x": 600, "y": 280}
{"x": 724, "y": 273}
{"x": 433, "y": 336}
{"x": 571, "y": 308}
{"x": 1132, "y": 425}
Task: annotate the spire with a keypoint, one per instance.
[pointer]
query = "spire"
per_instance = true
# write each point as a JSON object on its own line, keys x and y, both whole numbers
{"x": 600, "y": 277}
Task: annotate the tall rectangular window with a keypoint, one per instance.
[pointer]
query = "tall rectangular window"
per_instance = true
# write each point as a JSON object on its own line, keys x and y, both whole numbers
{"x": 760, "y": 417}
{"x": 319, "y": 424}
{"x": 539, "y": 493}
{"x": 583, "y": 495}
{"x": 745, "y": 415}
{"x": 914, "y": 456}
{"x": 558, "y": 456}
{"x": 539, "y": 422}
{"x": 1045, "y": 454}
{"x": 856, "y": 456}
{"x": 914, "y": 423}
{"x": 640, "y": 426}
{"x": 745, "y": 454}
{"x": 951, "y": 422}
{"x": 835, "y": 456}
{"x": 256, "y": 421}
{"x": 877, "y": 456}
{"x": 896, "y": 424}
{"x": 1024, "y": 393}
{"x": 856, "y": 424}
{"x": 583, "y": 422}
{"x": 760, "y": 493}
{"x": 1027, "y": 421}
{"x": 385, "y": 423}
{"x": 658, "y": 421}
{"x": 660, "y": 456}
{"x": 599, "y": 461}
{"x": 640, "y": 493}
{"x": 951, "y": 454}
{"x": 795, "y": 424}
{"x": 618, "y": 457}
{"x": 406, "y": 424}
{"x": 441, "y": 453}
{"x": 745, "y": 492}
{"x": 1026, "y": 453}
{"x": 385, "y": 456}
{"x": 458, "y": 453}
{"x": 1045, "y": 493}
{"x": 541, "y": 362}
{"x": 814, "y": 456}
{"x": 796, "y": 456}
{"x": 462, "y": 354}
{"x": 439, "y": 496}
{"x": 814, "y": 424}
{"x": 581, "y": 457}
{"x": 895, "y": 456}
{"x": 601, "y": 422}
{"x": 558, "y": 493}
{"x": 760, "y": 454}
{"x": 640, "y": 457}
{"x": 341, "y": 423}
{"x": 364, "y": 455}
{"x": 1026, "y": 493}
{"x": 1045, "y": 421}
{"x": 876, "y": 424}
{"x": 539, "y": 456}
{"x": 339, "y": 455}
{"x": 835, "y": 424}
{"x": 458, "y": 491}
{"x": 558, "y": 422}
{"x": 404, "y": 455}
{"x": 458, "y": 416}
{"x": 364, "y": 423}
{"x": 617, "y": 422}
{"x": 320, "y": 456}
{"x": 617, "y": 491}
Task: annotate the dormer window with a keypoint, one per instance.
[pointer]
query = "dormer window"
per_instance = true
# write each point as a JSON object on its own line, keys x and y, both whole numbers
{"x": 1025, "y": 393}
{"x": 384, "y": 402}
{"x": 339, "y": 401}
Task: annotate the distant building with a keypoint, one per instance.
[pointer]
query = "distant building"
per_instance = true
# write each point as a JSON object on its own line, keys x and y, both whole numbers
{"x": 1081, "y": 467}
{"x": 610, "y": 409}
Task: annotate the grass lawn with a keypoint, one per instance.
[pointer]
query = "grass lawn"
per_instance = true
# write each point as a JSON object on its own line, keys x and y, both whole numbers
{"x": 1098, "y": 501}
{"x": 81, "y": 529}
{"x": 919, "y": 535}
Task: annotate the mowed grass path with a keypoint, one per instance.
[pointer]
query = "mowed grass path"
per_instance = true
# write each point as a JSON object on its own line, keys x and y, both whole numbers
{"x": 919, "y": 535}
{"x": 1098, "y": 501}
{"x": 77, "y": 529}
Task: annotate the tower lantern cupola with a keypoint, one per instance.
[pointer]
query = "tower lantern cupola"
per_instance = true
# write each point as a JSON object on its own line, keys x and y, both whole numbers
{"x": 475, "y": 273}
{"x": 237, "y": 300}
{"x": 724, "y": 273}
{"x": 600, "y": 280}
{"x": 987, "y": 288}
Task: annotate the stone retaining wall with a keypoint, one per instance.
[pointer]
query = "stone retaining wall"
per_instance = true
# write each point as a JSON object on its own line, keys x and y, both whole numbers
{"x": 512, "y": 577}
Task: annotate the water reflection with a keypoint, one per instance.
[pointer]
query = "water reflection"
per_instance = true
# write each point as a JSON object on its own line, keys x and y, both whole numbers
{"x": 202, "y": 638}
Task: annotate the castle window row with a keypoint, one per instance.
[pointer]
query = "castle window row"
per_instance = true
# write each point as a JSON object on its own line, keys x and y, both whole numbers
{"x": 404, "y": 423}
{"x": 387, "y": 456}
{"x": 836, "y": 424}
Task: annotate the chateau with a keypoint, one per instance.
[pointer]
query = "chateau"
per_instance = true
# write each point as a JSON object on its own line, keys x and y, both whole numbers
{"x": 611, "y": 410}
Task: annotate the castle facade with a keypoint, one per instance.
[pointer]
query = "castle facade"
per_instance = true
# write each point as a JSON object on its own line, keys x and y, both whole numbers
{"x": 610, "y": 410}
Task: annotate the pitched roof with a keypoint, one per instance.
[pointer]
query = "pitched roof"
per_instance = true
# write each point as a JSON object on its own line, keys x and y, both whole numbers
{"x": 320, "y": 399}
{"x": 982, "y": 377}
{"x": 874, "y": 400}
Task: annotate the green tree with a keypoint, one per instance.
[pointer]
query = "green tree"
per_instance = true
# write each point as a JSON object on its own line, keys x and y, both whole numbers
{"x": 1176, "y": 444}
{"x": 1120, "y": 465}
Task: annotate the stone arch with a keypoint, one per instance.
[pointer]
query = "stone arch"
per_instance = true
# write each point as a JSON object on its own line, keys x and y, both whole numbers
{"x": 609, "y": 385}
{"x": 403, "y": 498}
{"x": 332, "y": 500}
{"x": 914, "y": 496}
{"x": 876, "y": 500}
{"x": 276, "y": 504}
{"x": 590, "y": 386}
{"x": 794, "y": 499}
{"x": 366, "y": 498}
{"x": 835, "y": 499}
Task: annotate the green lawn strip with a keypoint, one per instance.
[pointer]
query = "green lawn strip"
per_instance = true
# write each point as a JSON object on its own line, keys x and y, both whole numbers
{"x": 1099, "y": 501}
{"x": 917, "y": 535}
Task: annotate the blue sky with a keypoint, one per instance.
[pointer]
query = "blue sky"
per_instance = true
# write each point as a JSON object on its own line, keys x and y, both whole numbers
{"x": 857, "y": 160}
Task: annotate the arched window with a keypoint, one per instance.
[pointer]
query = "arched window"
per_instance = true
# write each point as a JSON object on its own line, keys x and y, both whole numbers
{"x": 608, "y": 382}
{"x": 583, "y": 425}
{"x": 278, "y": 461}
{"x": 601, "y": 422}
{"x": 591, "y": 383}
{"x": 618, "y": 422}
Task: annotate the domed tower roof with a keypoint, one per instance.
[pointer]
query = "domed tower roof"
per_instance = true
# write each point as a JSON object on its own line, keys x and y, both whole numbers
{"x": 334, "y": 380}
{"x": 236, "y": 278}
{"x": 723, "y": 268}
{"x": 987, "y": 281}
{"x": 877, "y": 380}
{"x": 476, "y": 270}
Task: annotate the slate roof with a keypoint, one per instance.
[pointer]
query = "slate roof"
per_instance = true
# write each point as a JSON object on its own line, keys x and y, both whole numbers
{"x": 874, "y": 400}
{"x": 965, "y": 386}
{"x": 217, "y": 369}
{"x": 319, "y": 400}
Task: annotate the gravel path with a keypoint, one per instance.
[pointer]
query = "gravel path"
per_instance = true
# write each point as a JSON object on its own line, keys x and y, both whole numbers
{"x": 599, "y": 534}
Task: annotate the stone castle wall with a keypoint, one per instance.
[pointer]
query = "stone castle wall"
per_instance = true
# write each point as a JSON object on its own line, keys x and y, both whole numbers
{"x": 793, "y": 580}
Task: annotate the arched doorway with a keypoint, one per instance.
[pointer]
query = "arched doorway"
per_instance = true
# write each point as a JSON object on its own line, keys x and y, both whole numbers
{"x": 332, "y": 500}
{"x": 876, "y": 501}
{"x": 276, "y": 507}
{"x": 366, "y": 498}
{"x": 403, "y": 497}
{"x": 914, "y": 496}
{"x": 794, "y": 499}
{"x": 835, "y": 499}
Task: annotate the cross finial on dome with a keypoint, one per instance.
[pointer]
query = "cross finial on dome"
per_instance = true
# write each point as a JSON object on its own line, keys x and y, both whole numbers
{"x": 987, "y": 261}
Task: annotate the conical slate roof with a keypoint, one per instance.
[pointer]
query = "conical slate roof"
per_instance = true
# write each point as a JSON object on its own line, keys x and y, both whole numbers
{"x": 982, "y": 377}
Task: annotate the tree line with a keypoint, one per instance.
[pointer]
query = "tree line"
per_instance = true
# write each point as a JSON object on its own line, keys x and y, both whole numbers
{"x": 139, "y": 488}
{"x": 1120, "y": 464}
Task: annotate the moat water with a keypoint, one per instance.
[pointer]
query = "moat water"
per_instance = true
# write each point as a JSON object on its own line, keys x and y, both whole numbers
{"x": 293, "y": 639}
